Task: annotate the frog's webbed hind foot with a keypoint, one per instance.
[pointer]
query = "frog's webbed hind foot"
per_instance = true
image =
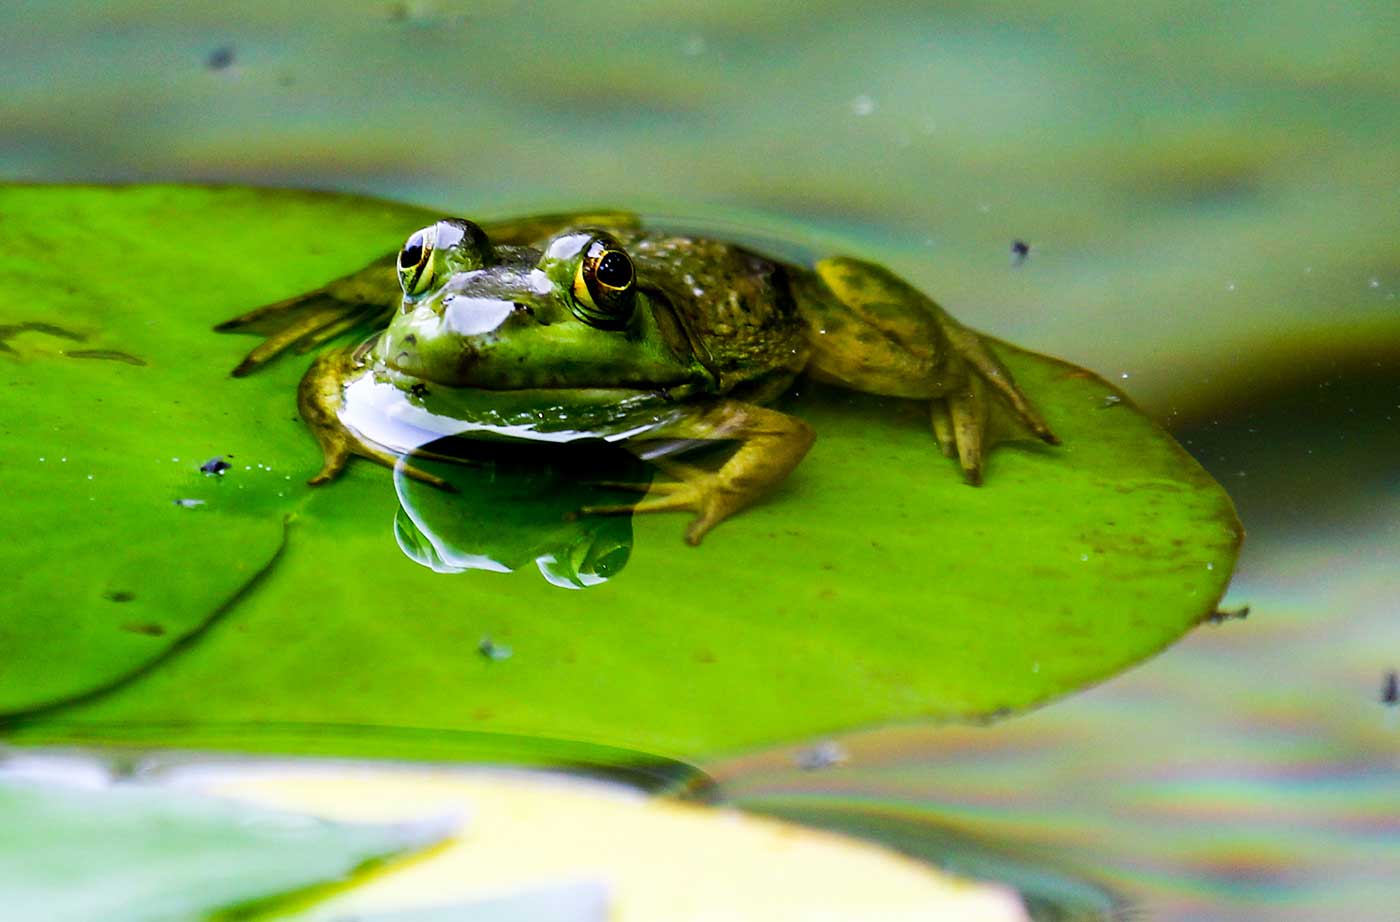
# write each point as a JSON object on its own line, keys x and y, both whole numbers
{"x": 877, "y": 333}
{"x": 318, "y": 399}
{"x": 986, "y": 366}
{"x": 306, "y": 321}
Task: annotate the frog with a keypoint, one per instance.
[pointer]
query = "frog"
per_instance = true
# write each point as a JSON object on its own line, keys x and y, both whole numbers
{"x": 601, "y": 324}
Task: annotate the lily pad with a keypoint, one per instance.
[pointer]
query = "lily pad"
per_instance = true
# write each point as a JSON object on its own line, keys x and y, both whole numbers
{"x": 872, "y": 587}
{"x": 128, "y": 853}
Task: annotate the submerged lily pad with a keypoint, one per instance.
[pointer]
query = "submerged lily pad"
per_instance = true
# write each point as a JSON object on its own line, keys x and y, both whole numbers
{"x": 130, "y": 853}
{"x": 872, "y": 587}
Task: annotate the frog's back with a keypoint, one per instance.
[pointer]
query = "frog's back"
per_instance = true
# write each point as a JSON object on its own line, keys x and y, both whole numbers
{"x": 736, "y": 306}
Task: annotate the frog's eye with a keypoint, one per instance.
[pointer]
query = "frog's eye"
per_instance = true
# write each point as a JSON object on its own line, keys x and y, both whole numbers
{"x": 415, "y": 261}
{"x": 438, "y": 250}
{"x": 604, "y": 285}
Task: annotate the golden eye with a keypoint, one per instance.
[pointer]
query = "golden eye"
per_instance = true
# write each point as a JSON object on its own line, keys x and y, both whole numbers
{"x": 415, "y": 262}
{"x": 604, "y": 285}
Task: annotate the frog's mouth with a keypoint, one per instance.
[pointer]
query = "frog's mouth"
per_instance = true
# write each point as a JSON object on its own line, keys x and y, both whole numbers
{"x": 498, "y": 345}
{"x": 472, "y": 368}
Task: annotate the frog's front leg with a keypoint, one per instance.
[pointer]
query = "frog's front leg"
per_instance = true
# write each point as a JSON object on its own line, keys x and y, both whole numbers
{"x": 307, "y": 320}
{"x": 872, "y": 331}
{"x": 319, "y": 399}
{"x": 771, "y": 444}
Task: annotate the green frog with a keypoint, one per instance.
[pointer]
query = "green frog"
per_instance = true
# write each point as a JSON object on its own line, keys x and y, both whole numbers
{"x": 599, "y": 325}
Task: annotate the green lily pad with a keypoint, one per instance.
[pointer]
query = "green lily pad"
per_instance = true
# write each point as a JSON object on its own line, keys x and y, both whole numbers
{"x": 116, "y": 394}
{"x": 128, "y": 853}
{"x": 872, "y": 587}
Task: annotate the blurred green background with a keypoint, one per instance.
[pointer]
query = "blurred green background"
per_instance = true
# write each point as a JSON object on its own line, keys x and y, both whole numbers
{"x": 1211, "y": 192}
{"x": 1204, "y": 185}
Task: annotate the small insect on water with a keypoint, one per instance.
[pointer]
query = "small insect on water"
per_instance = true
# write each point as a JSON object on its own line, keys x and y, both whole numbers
{"x": 1020, "y": 252}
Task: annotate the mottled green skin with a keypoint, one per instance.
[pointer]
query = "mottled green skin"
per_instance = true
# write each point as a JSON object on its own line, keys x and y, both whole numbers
{"x": 712, "y": 331}
{"x": 737, "y": 307}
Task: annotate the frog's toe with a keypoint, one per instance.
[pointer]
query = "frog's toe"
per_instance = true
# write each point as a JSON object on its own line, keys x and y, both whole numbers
{"x": 943, "y": 428}
{"x": 706, "y": 497}
{"x": 423, "y": 476}
{"x": 633, "y": 486}
{"x": 967, "y": 409}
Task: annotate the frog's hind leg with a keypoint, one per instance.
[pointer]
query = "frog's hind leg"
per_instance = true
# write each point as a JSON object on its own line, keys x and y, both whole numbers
{"x": 873, "y": 332}
{"x": 318, "y": 399}
{"x": 308, "y": 320}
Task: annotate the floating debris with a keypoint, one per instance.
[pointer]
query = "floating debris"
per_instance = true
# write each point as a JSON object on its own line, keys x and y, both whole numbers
{"x": 220, "y": 58}
{"x": 188, "y": 503}
{"x": 1220, "y": 616}
{"x": 1020, "y": 252}
{"x": 1390, "y": 688}
{"x": 493, "y": 651}
{"x": 825, "y": 754}
{"x": 215, "y": 466}
{"x": 1112, "y": 400}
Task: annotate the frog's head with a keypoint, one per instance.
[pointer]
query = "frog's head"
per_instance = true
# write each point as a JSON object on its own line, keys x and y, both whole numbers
{"x": 573, "y": 315}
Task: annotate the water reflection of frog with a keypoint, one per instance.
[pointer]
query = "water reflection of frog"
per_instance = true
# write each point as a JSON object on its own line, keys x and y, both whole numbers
{"x": 594, "y": 325}
{"x": 515, "y": 507}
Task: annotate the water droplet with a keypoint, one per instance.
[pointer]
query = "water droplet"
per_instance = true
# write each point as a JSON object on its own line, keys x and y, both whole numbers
{"x": 493, "y": 651}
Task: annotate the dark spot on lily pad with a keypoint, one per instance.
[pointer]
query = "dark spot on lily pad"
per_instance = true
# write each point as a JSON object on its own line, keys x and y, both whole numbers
{"x": 149, "y": 628}
{"x": 119, "y": 595}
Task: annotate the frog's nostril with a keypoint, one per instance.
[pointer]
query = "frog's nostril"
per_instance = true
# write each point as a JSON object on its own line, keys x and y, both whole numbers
{"x": 525, "y": 310}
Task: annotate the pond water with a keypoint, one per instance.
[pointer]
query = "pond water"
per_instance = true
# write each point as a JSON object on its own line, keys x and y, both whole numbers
{"x": 1210, "y": 204}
